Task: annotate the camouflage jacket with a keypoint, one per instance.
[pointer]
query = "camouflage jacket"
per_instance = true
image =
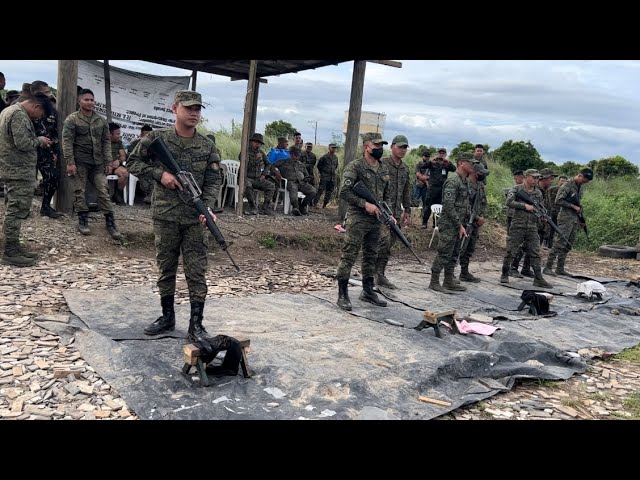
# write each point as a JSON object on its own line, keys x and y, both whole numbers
{"x": 550, "y": 201}
{"x": 48, "y": 127}
{"x": 569, "y": 189}
{"x": 476, "y": 189}
{"x": 257, "y": 163}
{"x": 376, "y": 181}
{"x": 86, "y": 140}
{"x": 522, "y": 218}
{"x": 455, "y": 201}
{"x": 399, "y": 186}
{"x": 328, "y": 166}
{"x": 115, "y": 150}
{"x": 292, "y": 170}
{"x": 438, "y": 172}
{"x": 18, "y": 144}
{"x": 194, "y": 155}
{"x": 309, "y": 159}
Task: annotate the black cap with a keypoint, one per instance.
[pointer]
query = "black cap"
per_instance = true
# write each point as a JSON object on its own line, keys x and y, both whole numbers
{"x": 517, "y": 172}
{"x": 587, "y": 173}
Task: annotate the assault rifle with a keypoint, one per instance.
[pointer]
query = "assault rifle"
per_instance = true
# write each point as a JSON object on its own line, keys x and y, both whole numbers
{"x": 471, "y": 223}
{"x": 573, "y": 200}
{"x": 191, "y": 192}
{"x": 540, "y": 211}
{"x": 361, "y": 190}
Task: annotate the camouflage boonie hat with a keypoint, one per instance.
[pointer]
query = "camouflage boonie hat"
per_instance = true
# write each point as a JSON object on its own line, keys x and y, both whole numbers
{"x": 188, "y": 98}
{"x": 466, "y": 156}
{"x": 547, "y": 173}
{"x": 257, "y": 137}
{"x": 532, "y": 172}
{"x": 400, "y": 140}
{"x": 374, "y": 138}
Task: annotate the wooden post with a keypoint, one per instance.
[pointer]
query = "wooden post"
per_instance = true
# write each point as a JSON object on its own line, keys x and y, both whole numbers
{"x": 194, "y": 78}
{"x": 248, "y": 107}
{"x": 66, "y": 103}
{"x": 353, "y": 123}
{"x": 254, "y": 107}
{"x": 107, "y": 89}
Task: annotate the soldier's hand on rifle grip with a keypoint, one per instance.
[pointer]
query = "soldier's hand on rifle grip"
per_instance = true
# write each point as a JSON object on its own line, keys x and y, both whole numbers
{"x": 576, "y": 208}
{"x": 371, "y": 208}
{"x": 462, "y": 233}
{"x": 170, "y": 181}
{"x": 71, "y": 170}
{"x": 529, "y": 208}
{"x": 203, "y": 219}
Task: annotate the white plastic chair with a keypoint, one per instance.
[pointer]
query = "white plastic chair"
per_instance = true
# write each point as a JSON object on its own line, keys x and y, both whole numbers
{"x": 285, "y": 196}
{"x": 231, "y": 176}
{"x": 436, "y": 210}
{"x": 130, "y": 190}
{"x": 111, "y": 187}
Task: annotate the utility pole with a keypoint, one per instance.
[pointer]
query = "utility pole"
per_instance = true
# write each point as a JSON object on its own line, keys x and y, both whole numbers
{"x": 315, "y": 134}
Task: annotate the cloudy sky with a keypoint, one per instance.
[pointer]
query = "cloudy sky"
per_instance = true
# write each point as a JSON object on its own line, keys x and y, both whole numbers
{"x": 569, "y": 110}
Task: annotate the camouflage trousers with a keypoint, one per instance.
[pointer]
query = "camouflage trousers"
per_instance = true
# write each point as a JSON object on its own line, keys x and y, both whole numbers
{"x": 253, "y": 184}
{"x": 469, "y": 248}
{"x": 387, "y": 241}
{"x": 569, "y": 228}
{"x": 18, "y": 201}
{"x": 146, "y": 183}
{"x": 171, "y": 238}
{"x": 362, "y": 231}
{"x": 80, "y": 184}
{"x": 49, "y": 171}
{"x": 448, "y": 249}
{"x": 294, "y": 187}
{"x": 528, "y": 239}
{"x": 327, "y": 187}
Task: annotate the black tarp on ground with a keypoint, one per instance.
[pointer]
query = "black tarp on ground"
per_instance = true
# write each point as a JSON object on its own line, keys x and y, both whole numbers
{"x": 332, "y": 364}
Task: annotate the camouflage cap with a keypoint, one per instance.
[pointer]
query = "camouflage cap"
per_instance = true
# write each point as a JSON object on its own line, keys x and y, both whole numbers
{"x": 257, "y": 137}
{"x": 517, "y": 173}
{"x": 374, "y": 138}
{"x": 466, "y": 156}
{"x": 188, "y": 98}
{"x": 547, "y": 173}
{"x": 532, "y": 172}
{"x": 563, "y": 177}
{"x": 400, "y": 140}
{"x": 587, "y": 173}
{"x": 442, "y": 150}
{"x": 12, "y": 94}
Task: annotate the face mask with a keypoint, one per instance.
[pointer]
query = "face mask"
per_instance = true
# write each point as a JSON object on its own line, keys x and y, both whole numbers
{"x": 377, "y": 153}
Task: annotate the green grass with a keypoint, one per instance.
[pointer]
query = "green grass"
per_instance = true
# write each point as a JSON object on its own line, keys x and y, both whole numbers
{"x": 632, "y": 405}
{"x": 268, "y": 240}
{"x": 630, "y": 354}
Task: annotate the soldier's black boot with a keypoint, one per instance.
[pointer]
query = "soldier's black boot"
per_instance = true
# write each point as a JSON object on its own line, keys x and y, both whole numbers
{"x": 251, "y": 206}
{"x": 368, "y": 295}
{"x": 26, "y": 253}
{"x": 304, "y": 210}
{"x": 505, "y": 273}
{"x": 165, "y": 323}
{"x": 381, "y": 279}
{"x": 451, "y": 284}
{"x": 548, "y": 268}
{"x": 560, "y": 267}
{"x": 83, "y": 223}
{"x": 539, "y": 280}
{"x": 266, "y": 207}
{"x": 435, "y": 282}
{"x": 343, "y": 294}
{"x": 111, "y": 226}
{"x": 526, "y": 267}
{"x": 197, "y": 332}
{"x": 467, "y": 276}
{"x": 13, "y": 256}
{"x": 46, "y": 210}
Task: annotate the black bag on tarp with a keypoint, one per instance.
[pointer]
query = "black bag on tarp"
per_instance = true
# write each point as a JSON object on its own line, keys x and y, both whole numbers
{"x": 217, "y": 344}
{"x": 537, "y": 302}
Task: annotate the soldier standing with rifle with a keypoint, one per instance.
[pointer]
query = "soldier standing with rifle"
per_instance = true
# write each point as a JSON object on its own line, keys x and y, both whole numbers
{"x": 569, "y": 219}
{"x": 437, "y": 171}
{"x": 176, "y": 223}
{"x": 455, "y": 213}
{"x": 524, "y": 228}
{"x": 399, "y": 198}
{"x": 554, "y": 209}
{"x": 363, "y": 228}
{"x": 478, "y": 202}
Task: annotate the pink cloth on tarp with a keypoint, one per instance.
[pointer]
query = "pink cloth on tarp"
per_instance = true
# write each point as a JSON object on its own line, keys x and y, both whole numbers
{"x": 476, "y": 327}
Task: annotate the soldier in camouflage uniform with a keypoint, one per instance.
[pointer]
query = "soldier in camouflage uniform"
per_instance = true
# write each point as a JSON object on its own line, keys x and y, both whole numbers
{"x": 399, "y": 203}
{"x": 176, "y": 223}
{"x": 327, "y": 167}
{"x": 437, "y": 171}
{"x": 309, "y": 159}
{"x": 554, "y": 209}
{"x": 47, "y": 157}
{"x": 297, "y": 181}
{"x": 259, "y": 174}
{"x": 480, "y": 156}
{"x": 87, "y": 149}
{"x": 455, "y": 214}
{"x": 478, "y": 203}
{"x": 117, "y": 167}
{"x": 18, "y": 156}
{"x": 524, "y": 229}
{"x": 146, "y": 182}
{"x": 363, "y": 227}
{"x": 568, "y": 220}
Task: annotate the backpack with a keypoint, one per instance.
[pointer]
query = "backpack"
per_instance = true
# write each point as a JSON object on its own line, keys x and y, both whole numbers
{"x": 538, "y": 303}
{"x": 217, "y": 344}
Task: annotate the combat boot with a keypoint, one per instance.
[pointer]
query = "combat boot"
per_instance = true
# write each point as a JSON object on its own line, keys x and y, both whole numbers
{"x": 304, "y": 206}
{"x": 526, "y": 267}
{"x": 435, "y": 282}
{"x": 83, "y": 223}
{"x": 560, "y": 267}
{"x": 251, "y": 206}
{"x": 196, "y": 331}
{"x": 450, "y": 283}
{"x": 12, "y": 256}
{"x": 539, "y": 280}
{"x": 383, "y": 281}
{"x": 25, "y": 253}
{"x": 147, "y": 199}
{"x": 548, "y": 268}
{"x": 514, "y": 272}
{"x": 266, "y": 208}
{"x": 165, "y": 323}
{"x": 368, "y": 295}
{"x": 343, "y": 294}
{"x": 296, "y": 212}
{"x": 46, "y": 210}
{"x": 111, "y": 226}
{"x": 504, "y": 278}
{"x": 467, "y": 276}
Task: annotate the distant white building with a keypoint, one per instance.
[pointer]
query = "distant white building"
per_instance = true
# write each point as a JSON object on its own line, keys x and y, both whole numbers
{"x": 370, "y": 122}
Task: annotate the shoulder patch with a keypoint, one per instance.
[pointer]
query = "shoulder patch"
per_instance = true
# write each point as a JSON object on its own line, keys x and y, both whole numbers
{"x": 448, "y": 194}
{"x": 347, "y": 182}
